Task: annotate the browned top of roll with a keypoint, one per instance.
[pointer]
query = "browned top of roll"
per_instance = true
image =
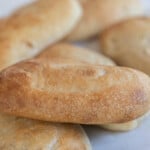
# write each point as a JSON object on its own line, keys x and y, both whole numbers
{"x": 66, "y": 91}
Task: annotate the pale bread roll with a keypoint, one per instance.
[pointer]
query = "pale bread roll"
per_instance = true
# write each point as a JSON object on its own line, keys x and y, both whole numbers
{"x": 128, "y": 43}
{"x": 24, "y": 134}
{"x": 64, "y": 50}
{"x": 34, "y": 27}
{"x": 68, "y": 51}
{"x": 127, "y": 125}
{"x": 100, "y": 14}
{"x": 67, "y": 91}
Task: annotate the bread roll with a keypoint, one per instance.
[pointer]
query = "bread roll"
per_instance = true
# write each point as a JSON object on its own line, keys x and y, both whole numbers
{"x": 68, "y": 51}
{"x": 100, "y": 14}
{"x": 128, "y": 43}
{"x": 24, "y": 134}
{"x": 60, "y": 90}
{"x": 34, "y": 27}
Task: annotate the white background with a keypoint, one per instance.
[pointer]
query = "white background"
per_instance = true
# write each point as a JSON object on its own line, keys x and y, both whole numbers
{"x": 138, "y": 139}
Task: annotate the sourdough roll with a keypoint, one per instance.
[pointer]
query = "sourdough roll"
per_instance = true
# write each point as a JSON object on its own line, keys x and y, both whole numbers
{"x": 60, "y": 90}
{"x": 78, "y": 54}
{"x": 101, "y": 14}
{"x": 34, "y": 27}
{"x": 24, "y": 134}
{"x": 128, "y": 43}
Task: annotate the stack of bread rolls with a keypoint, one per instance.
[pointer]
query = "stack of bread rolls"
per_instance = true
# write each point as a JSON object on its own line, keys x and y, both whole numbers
{"x": 49, "y": 87}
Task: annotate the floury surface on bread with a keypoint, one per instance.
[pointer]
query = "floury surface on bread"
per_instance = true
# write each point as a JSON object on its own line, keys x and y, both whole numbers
{"x": 35, "y": 26}
{"x": 128, "y": 43}
{"x": 24, "y": 134}
{"x": 101, "y": 14}
{"x": 78, "y": 54}
{"x": 67, "y": 91}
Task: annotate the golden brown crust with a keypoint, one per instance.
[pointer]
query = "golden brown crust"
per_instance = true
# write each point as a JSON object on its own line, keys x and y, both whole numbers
{"x": 24, "y": 134}
{"x": 128, "y": 43}
{"x": 100, "y": 14}
{"x": 34, "y": 27}
{"x": 68, "y": 51}
{"x": 67, "y": 91}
